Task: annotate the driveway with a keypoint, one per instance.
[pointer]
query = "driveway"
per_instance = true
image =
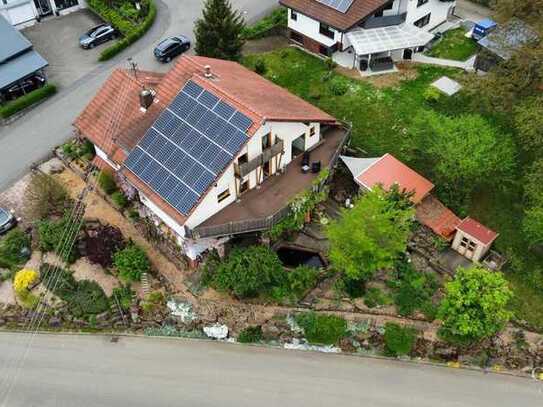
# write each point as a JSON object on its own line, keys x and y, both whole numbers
{"x": 67, "y": 370}
{"x": 57, "y": 40}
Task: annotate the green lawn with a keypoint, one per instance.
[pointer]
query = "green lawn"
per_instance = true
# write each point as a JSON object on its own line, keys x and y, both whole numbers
{"x": 381, "y": 118}
{"x": 454, "y": 45}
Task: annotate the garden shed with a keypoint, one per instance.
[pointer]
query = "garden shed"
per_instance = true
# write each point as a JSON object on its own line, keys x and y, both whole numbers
{"x": 473, "y": 239}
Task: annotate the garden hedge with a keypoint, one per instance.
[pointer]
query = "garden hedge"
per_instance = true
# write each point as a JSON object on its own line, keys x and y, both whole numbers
{"x": 269, "y": 25}
{"x": 10, "y": 108}
{"x": 130, "y": 32}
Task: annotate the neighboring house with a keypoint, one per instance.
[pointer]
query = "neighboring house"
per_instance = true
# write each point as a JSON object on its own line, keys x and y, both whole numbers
{"x": 18, "y": 61}
{"x": 209, "y": 146}
{"x": 366, "y": 34}
{"x": 502, "y": 42}
{"x": 468, "y": 237}
{"x": 24, "y": 13}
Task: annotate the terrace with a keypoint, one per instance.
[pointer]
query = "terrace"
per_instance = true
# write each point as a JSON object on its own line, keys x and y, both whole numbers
{"x": 261, "y": 208}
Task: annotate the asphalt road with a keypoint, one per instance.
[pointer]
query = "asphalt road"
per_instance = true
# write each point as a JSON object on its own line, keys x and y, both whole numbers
{"x": 32, "y": 137}
{"x": 93, "y": 371}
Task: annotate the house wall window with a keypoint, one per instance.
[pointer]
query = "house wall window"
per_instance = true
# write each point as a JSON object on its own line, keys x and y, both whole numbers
{"x": 243, "y": 159}
{"x": 379, "y": 14}
{"x": 64, "y": 4}
{"x": 389, "y": 6}
{"x": 293, "y": 15}
{"x": 421, "y": 22}
{"x": 266, "y": 141}
{"x": 422, "y": 2}
{"x": 326, "y": 31}
{"x": 223, "y": 195}
{"x": 312, "y": 131}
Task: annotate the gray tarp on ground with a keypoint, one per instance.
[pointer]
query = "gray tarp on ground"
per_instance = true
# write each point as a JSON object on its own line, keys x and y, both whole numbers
{"x": 20, "y": 67}
{"x": 12, "y": 42}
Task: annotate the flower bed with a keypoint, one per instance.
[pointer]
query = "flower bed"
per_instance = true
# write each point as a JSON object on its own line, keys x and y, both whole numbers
{"x": 130, "y": 22}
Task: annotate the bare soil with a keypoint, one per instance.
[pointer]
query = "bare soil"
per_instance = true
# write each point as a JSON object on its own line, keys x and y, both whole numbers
{"x": 85, "y": 270}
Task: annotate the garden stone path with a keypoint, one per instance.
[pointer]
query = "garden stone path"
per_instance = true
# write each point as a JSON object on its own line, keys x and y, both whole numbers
{"x": 85, "y": 270}
{"x": 7, "y": 295}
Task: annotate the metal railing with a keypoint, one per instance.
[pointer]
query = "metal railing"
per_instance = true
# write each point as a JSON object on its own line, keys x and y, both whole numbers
{"x": 267, "y": 154}
{"x": 264, "y": 223}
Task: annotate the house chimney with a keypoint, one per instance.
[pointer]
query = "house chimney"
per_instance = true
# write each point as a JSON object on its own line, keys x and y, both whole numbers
{"x": 146, "y": 99}
{"x": 207, "y": 71}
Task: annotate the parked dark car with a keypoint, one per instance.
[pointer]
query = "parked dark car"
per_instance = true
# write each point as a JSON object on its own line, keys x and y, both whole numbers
{"x": 171, "y": 47}
{"x": 7, "y": 221}
{"x": 23, "y": 87}
{"x": 97, "y": 35}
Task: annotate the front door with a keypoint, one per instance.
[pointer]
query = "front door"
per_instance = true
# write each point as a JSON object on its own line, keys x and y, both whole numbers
{"x": 407, "y": 53}
{"x": 266, "y": 169}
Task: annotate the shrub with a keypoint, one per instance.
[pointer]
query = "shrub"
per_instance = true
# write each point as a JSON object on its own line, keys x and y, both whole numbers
{"x": 475, "y": 305}
{"x": 296, "y": 283}
{"x": 278, "y": 18}
{"x": 106, "y": 180}
{"x": 54, "y": 237}
{"x": 375, "y": 297}
{"x": 250, "y": 334}
{"x": 338, "y": 86}
{"x": 322, "y": 329}
{"x": 13, "y": 246}
{"x": 124, "y": 295}
{"x": 132, "y": 32}
{"x": 330, "y": 64}
{"x": 153, "y": 302}
{"x": 247, "y": 272}
{"x": 45, "y": 197}
{"x": 21, "y": 283}
{"x": 119, "y": 199}
{"x": 27, "y": 100}
{"x": 260, "y": 66}
{"x": 131, "y": 263}
{"x": 398, "y": 340}
{"x": 101, "y": 244}
{"x": 432, "y": 95}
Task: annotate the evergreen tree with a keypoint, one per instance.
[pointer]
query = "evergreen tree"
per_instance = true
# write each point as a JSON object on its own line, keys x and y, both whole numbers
{"x": 218, "y": 32}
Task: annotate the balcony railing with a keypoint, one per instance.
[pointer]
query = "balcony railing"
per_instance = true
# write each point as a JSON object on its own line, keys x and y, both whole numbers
{"x": 246, "y": 168}
{"x": 265, "y": 223}
{"x": 385, "y": 21}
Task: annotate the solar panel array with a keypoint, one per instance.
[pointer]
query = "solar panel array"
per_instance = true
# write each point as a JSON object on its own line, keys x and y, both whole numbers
{"x": 340, "y": 5}
{"x": 188, "y": 146}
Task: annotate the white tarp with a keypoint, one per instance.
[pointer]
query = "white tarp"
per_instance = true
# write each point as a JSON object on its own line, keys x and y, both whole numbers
{"x": 395, "y": 37}
{"x": 358, "y": 165}
{"x": 216, "y": 331}
{"x": 447, "y": 85}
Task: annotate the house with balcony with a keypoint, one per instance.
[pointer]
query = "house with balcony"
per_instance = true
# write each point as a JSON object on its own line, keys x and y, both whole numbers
{"x": 369, "y": 35}
{"x": 210, "y": 149}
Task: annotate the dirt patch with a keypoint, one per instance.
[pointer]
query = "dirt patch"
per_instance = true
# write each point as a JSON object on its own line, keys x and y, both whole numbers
{"x": 267, "y": 44}
{"x": 84, "y": 270}
{"x": 406, "y": 72}
{"x": 7, "y": 295}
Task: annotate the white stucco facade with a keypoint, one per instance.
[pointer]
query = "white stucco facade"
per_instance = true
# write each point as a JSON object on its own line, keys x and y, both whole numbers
{"x": 311, "y": 28}
{"x": 19, "y": 13}
{"x": 438, "y": 10}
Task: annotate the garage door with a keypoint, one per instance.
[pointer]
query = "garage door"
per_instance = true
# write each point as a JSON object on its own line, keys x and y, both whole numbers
{"x": 21, "y": 14}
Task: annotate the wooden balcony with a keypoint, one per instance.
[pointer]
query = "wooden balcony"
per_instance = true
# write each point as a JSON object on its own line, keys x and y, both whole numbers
{"x": 270, "y": 152}
{"x": 261, "y": 208}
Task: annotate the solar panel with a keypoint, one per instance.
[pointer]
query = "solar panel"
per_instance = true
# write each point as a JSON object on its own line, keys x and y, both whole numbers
{"x": 191, "y": 142}
{"x": 339, "y": 5}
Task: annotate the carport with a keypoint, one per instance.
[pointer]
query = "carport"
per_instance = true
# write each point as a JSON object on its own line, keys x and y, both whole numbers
{"x": 18, "y": 61}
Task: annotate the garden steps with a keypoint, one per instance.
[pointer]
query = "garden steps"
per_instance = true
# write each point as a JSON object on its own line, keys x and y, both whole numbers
{"x": 146, "y": 287}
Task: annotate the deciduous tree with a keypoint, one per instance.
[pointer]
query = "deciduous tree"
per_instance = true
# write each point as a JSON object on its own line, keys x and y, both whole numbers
{"x": 370, "y": 236}
{"x": 474, "y": 306}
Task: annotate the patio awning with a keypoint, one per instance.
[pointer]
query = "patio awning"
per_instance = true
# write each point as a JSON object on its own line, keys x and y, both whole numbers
{"x": 390, "y": 38}
{"x": 20, "y": 67}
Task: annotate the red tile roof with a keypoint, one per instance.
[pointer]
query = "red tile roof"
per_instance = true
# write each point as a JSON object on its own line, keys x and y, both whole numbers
{"x": 477, "y": 230}
{"x": 433, "y": 214}
{"x": 388, "y": 171}
{"x": 359, "y": 10}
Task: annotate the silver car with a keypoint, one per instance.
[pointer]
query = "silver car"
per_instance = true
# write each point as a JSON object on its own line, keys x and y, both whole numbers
{"x": 7, "y": 221}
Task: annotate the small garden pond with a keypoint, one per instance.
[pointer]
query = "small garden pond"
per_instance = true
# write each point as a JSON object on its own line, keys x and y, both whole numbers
{"x": 295, "y": 256}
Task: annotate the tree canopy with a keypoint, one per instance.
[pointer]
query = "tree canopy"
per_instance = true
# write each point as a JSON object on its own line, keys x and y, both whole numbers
{"x": 370, "y": 236}
{"x": 475, "y": 305}
{"x": 218, "y": 32}
{"x": 463, "y": 152}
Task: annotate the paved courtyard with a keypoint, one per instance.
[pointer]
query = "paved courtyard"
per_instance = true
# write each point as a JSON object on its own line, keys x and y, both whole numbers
{"x": 57, "y": 40}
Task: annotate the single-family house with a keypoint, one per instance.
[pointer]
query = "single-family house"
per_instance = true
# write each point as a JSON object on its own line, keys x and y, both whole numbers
{"x": 21, "y": 67}
{"x": 502, "y": 42}
{"x": 25, "y": 13}
{"x": 210, "y": 148}
{"x": 365, "y": 34}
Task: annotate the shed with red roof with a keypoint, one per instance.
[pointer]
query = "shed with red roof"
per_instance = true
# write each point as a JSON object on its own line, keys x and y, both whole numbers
{"x": 473, "y": 239}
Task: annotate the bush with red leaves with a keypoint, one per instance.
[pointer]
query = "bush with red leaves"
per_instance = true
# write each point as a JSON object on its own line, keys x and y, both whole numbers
{"x": 100, "y": 244}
